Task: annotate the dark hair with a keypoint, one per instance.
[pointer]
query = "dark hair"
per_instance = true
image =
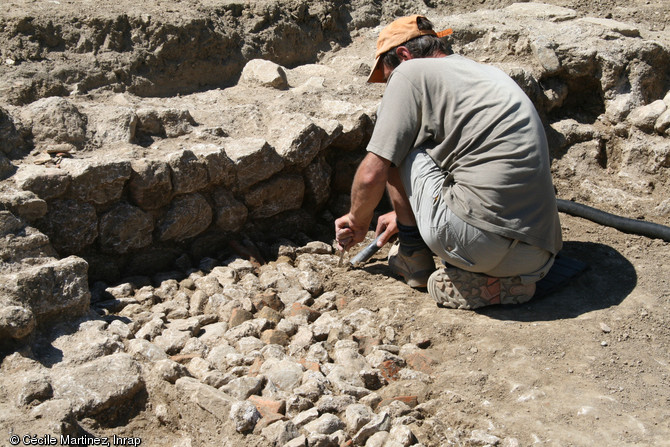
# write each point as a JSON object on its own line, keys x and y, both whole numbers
{"x": 422, "y": 46}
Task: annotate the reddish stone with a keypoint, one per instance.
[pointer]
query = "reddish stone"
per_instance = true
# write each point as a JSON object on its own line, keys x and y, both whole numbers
{"x": 255, "y": 367}
{"x": 297, "y": 309}
{"x": 268, "y": 407}
{"x": 421, "y": 362}
{"x": 390, "y": 370}
{"x": 341, "y": 302}
{"x": 313, "y": 366}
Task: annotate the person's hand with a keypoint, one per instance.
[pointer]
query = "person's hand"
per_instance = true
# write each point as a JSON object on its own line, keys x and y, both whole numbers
{"x": 348, "y": 232}
{"x": 386, "y": 227}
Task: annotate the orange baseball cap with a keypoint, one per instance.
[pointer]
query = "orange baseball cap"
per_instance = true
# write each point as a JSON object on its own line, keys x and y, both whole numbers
{"x": 398, "y": 32}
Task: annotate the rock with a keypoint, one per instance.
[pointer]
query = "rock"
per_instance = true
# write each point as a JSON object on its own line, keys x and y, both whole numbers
{"x": 317, "y": 181}
{"x": 613, "y": 25}
{"x": 188, "y": 216}
{"x": 150, "y": 183}
{"x": 541, "y": 11}
{"x": 381, "y": 422}
{"x": 125, "y": 228}
{"x": 106, "y": 125}
{"x": 545, "y": 54}
{"x": 23, "y": 204}
{"x": 286, "y": 374}
{"x": 47, "y": 182}
{"x": 99, "y": 182}
{"x": 55, "y": 120}
{"x": 169, "y": 123}
{"x": 20, "y": 241}
{"x": 356, "y": 416}
{"x": 13, "y": 143}
{"x": 231, "y": 214}
{"x": 245, "y": 416}
{"x": 220, "y": 168}
{"x": 207, "y": 397}
{"x": 402, "y": 436}
{"x": 52, "y": 290}
{"x": 264, "y": 73}
{"x": 145, "y": 350}
{"x": 645, "y": 117}
{"x": 71, "y": 225}
{"x": 247, "y": 345}
{"x": 35, "y": 386}
{"x": 90, "y": 342}
{"x": 274, "y": 336}
{"x": 169, "y": 370}
{"x": 280, "y": 432}
{"x": 275, "y": 196}
{"x": 301, "y": 139}
{"x": 172, "y": 341}
{"x": 663, "y": 122}
{"x": 189, "y": 173}
{"x": 481, "y": 437}
{"x": 96, "y": 386}
{"x": 254, "y": 160}
{"x": 16, "y": 321}
{"x": 377, "y": 440}
{"x": 324, "y": 424}
{"x": 243, "y": 387}
{"x": 305, "y": 417}
{"x": 300, "y": 441}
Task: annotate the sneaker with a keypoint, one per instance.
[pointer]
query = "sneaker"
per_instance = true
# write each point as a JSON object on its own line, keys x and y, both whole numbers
{"x": 460, "y": 289}
{"x": 415, "y": 268}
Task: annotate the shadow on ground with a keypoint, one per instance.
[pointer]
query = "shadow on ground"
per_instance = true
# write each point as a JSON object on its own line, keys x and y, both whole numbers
{"x": 610, "y": 278}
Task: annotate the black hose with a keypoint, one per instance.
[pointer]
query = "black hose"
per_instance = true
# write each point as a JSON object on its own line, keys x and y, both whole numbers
{"x": 624, "y": 224}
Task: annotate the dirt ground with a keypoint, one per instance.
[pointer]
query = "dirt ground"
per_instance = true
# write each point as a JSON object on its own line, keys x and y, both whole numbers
{"x": 587, "y": 365}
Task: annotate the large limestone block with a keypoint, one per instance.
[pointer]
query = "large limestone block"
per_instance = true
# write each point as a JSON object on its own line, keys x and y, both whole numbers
{"x": 150, "y": 183}
{"x": 205, "y": 396}
{"x": 55, "y": 120}
{"x": 11, "y": 142}
{"x": 169, "y": 123}
{"x": 219, "y": 167}
{"x": 109, "y": 381}
{"x": 282, "y": 193}
{"x": 125, "y": 228}
{"x": 317, "y": 181}
{"x": 645, "y": 117}
{"x": 231, "y": 214}
{"x": 18, "y": 241}
{"x": 188, "y": 216}
{"x": 24, "y": 204}
{"x": 189, "y": 173}
{"x": 624, "y": 29}
{"x": 264, "y": 73}
{"x": 99, "y": 182}
{"x": 52, "y": 290}
{"x": 254, "y": 160}
{"x": 70, "y": 224}
{"x": 111, "y": 124}
{"x": 300, "y": 139}
{"x": 45, "y": 181}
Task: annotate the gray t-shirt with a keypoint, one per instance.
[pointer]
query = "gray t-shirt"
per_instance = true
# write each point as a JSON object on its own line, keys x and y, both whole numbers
{"x": 484, "y": 133}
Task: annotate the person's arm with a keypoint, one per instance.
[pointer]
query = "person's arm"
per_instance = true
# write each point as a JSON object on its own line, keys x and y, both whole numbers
{"x": 366, "y": 192}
